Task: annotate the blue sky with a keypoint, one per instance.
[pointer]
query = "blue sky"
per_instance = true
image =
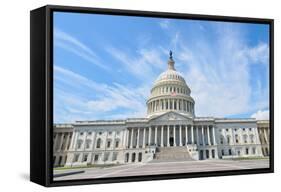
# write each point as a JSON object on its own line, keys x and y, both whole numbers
{"x": 104, "y": 66}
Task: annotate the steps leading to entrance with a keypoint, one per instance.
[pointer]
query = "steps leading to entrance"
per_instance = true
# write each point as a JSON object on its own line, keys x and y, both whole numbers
{"x": 172, "y": 154}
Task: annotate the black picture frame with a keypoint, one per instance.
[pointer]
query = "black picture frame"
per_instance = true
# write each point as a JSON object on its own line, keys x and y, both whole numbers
{"x": 41, "y": 93}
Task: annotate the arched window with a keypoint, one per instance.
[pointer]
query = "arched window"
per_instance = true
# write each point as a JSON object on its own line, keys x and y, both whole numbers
{"x": 79, "y": 143}
{"x": 127, "y": 157}
{"x": 245, "y": 138}
{"x": 252, "y": 138}
{"x": 99, "y": 143}
{"x": 117, "y": 143}
{"x": 236, "y": 139}
{"x": 140, "y": 157}
{"x": 247, "y": 151}
{"x": 254, "y": 150}
{"x": 221, "y": 139}
{"x": 229, "y": 152}
{"x": 88, "y": 143}
{"x": 228, "y": 139}
{"x": 133, "y": 157}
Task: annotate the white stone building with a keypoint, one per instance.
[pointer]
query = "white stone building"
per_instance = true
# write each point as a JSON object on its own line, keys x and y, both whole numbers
{"x": 170, "y": 132}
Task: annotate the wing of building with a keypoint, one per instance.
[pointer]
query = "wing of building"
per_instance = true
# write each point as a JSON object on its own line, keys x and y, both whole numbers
{"x": 170, "y": 132}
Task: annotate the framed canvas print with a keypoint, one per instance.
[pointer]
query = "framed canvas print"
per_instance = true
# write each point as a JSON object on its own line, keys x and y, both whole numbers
{"x": 122, "y": 95}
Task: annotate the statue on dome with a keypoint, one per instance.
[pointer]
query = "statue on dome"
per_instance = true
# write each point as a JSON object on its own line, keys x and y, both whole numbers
{"x": 171, "y": 54}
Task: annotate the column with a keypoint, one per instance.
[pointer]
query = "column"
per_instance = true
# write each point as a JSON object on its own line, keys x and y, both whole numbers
{"x": 72, "y": 141}
{"x": 143, "y": 140}
{"x": 162, "y": 138}
{"x": 155, "y": 138}
{"x": 127, "y": 138}
{"x": 55, "y": 141}
{"x": 186, "y": 135}
{"x": 84, "y": 140}
{"x": 265, "y": 135}
{"x": 180, "y": 135}
{"x": 94, "y": 140}
{"x": 149, "y": 136}
{"x": 192, "y": 136}
{"x": 168, "y": 135}
{"x": 132, "y": 134}
{"x": 75, "y": 140}
{"x": 197, "y": 135}
{"x": 66, "y": 143}
{"x": 214, "y": 136}
{"x": 168, "y": 104}
{"x": 202, "y": 131}
{"x": 208, "y": 132}
{"x": 174, "y": 132}
{"x": 138, "y": 138}
{"x": 61, "y": 142}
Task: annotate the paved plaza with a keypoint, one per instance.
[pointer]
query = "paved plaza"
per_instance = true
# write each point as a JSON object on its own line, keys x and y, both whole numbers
{"x": 138, "y": 169}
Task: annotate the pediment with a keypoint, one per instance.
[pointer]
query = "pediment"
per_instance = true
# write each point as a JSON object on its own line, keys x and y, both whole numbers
{"x": 170, "y": 116}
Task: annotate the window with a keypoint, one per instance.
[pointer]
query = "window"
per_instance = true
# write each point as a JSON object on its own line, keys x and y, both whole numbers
{"x": 114, "y": 156}
{"x": 100, "y": 133}
{"x": 254, "y": 150}
{"x": 221, "y": 139}
{"x": 244, "y": 129}
{"x": 236, "y": 139}
{"x": 127, "y": 157}
{"x": 222, "y": 152}
{"x": 250, "y": 129}
{"x": 226, "y": 129}
{"x": 245, "y": 138}
{"x": 81, "y": 133}
{"x": 118, "y": 133}
{"x": 252, "y": 138}
{"x": 88, "y": 143}
{"x": 76, "y": 157}
{"x": 85, "y": 157}
{"x": 229, "y": 152}
{"x": 96, "y": 158}
{"x": 108, "y": 144}
{"x": 89, "y": 133}
{"x": 106, "y": 155}
{"x": 79, "y": 143}
{"x": 247, "y": 151}
{"x": 235, "y": 129}
{"x": 133, "y": 157}
{"x": 98, "y": 142}
{"x": 117, "y": 144}
{"x": 228, "y": 139}
{"x": 109, "y": 133}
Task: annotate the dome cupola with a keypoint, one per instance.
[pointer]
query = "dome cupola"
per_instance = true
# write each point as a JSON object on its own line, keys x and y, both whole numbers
{"x": 170, "y": 93}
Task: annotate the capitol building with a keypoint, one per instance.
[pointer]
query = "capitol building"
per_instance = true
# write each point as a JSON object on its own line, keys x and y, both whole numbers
{"x": 170, "y": 132}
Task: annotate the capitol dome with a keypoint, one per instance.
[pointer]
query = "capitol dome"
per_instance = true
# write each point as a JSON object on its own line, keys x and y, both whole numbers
{"x": 170, "y": 93}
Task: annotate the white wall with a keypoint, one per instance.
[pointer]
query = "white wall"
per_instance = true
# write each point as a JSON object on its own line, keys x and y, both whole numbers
{"x": 14, "y": 102}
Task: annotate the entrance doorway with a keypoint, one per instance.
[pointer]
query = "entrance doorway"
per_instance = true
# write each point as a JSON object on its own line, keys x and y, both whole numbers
{"x": 171, "y": 140}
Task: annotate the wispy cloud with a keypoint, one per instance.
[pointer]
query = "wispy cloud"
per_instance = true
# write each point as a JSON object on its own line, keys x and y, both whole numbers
{"x": 72, "y": 44}
{"x": 165, "y": 23}
{"x": 143, "y": 63}
{"x": 106, "y": 98}
{"x": 219, "y": 75}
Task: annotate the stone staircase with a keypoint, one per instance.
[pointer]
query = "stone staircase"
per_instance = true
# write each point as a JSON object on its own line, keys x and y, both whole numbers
{"x": 169, "y": 154}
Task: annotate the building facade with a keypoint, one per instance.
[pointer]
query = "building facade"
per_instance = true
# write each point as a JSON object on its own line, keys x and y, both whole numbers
{"x": 170, "y": 132}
